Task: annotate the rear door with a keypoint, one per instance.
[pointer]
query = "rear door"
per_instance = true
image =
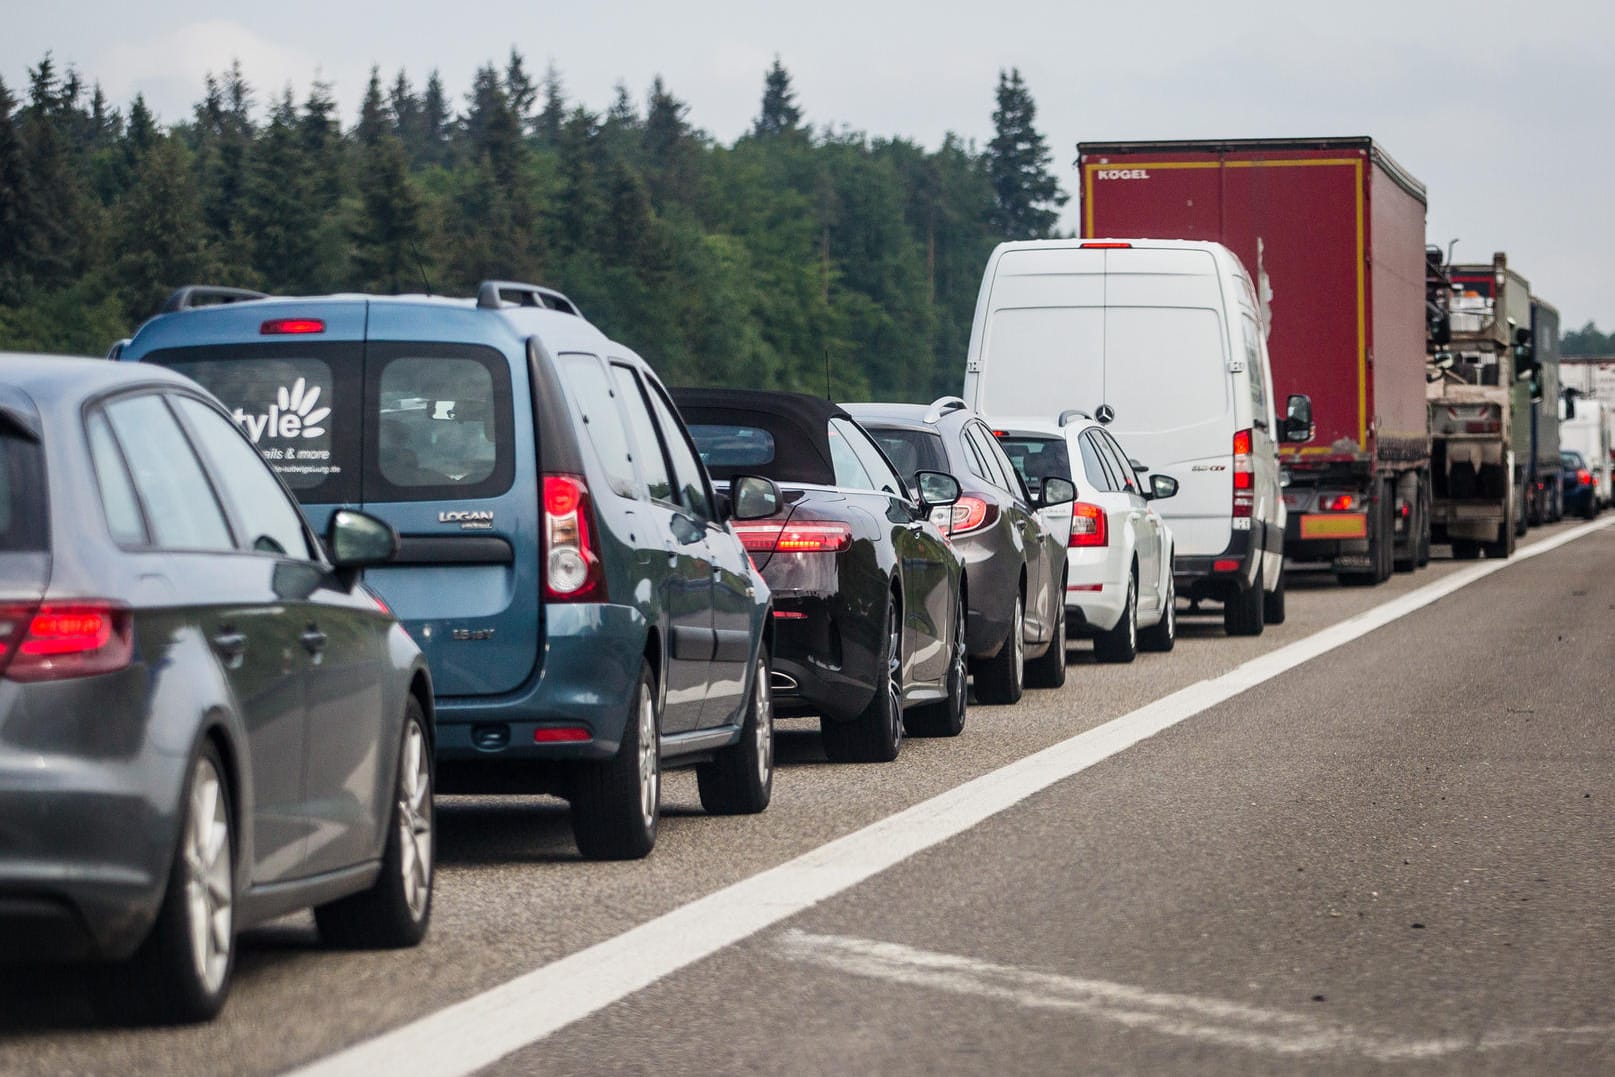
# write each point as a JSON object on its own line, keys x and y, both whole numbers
{"x": 1002, "y": 474}
{"x": 449, "y": 461}
{"x": 1147, "y": 536}
{"x": 1167, "y": 377}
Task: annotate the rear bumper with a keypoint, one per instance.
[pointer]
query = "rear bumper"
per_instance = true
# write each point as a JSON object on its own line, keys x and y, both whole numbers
{"x": 590, "y": 666}
{"x": 1086, "y": 568}
{"x": 1198, "y": 575}
{"x": 818, "y": 667}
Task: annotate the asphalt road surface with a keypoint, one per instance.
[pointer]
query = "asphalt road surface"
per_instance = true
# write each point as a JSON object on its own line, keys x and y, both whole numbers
{"x": 1385, "y": 848}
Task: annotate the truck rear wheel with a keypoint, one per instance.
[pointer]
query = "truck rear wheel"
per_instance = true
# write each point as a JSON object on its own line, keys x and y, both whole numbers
{"x": 1381, "y": 541}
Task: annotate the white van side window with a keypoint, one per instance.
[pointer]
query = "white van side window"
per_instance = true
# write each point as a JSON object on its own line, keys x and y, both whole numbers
{"x": 1258, "y": 374}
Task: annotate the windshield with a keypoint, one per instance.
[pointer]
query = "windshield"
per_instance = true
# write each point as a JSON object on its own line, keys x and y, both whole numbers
{"x": 1037, "y": 458}
{"x": 911, "y": 450}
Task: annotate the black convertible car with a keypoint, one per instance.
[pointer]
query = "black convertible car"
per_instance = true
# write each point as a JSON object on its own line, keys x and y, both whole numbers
{"x": 868, "y": 611}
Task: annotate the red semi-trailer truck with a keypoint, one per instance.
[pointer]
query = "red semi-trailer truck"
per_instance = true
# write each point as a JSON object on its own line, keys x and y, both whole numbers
{"x": 1332, "y": 230}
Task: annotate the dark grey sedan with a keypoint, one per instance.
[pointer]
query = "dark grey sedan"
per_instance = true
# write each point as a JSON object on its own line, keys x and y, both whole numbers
{"x": 1014, "y": 554}
{"x": 206, "y": 720}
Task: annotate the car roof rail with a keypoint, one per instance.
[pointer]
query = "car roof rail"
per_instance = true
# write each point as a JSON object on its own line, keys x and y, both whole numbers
{"x": 206, "y": 295}
{"x": 1069, "y": 415}
{"x": 942, "y": 405}
{"x": 491, "y": 296}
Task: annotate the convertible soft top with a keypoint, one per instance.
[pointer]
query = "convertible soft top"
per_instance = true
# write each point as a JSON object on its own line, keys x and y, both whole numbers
{"x": 797, "y": 422}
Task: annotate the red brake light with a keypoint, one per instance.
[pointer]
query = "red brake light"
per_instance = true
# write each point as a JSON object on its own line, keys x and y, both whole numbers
{"x": 1244, "y": 480}
{"x": 58, "y": 640}
{"x": 1244, "y": 475}
{"x": 1089, "y": 526}
{"x": 814, "y": 538}
{"x": 1337, "y": 503}
{"x": 285, "y": 326}
{"x": 1584, "y": 477}
{"x": 969, "y": 514}
{"x": 1107, "y": 246}
{"x": 573, "y": 572}
{"x": 1242, "y": 443}
{"x": 1225, "y": 566}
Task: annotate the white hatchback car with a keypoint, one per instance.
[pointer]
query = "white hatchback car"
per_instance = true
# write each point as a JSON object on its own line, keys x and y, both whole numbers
{"x": 1119, "y": 587}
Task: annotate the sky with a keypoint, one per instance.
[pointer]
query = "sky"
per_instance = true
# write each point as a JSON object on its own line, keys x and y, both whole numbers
{"x": 1502, "y": 110}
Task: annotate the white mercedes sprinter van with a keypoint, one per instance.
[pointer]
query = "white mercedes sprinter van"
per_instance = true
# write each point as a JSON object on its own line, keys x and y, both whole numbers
{"x": 1163, "y": 341}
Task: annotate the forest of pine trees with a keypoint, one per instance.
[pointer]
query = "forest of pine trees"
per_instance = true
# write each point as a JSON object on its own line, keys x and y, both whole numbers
{"x": 759, "y": 263}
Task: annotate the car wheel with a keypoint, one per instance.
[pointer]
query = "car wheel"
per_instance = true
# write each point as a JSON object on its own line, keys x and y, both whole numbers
{"x": 876, "y": 734}
{"x": 181, "y": 973}
{"x": 1242, "y": 615}
{"x": 1002, "y": 678}
{"x": 1048, "y": 670}
{"x": 740, "y": 779}
{"x": 1120, "y": 644}
{"x": 1163, "y": 634}
{"x": 615, "y": 804}
{"x": 394, "y": 912}
{"x": 947, "y": 718}
{"x": 1273, "y": 602}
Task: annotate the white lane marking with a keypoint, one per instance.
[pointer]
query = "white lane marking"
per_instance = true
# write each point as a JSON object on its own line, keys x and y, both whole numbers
{"x": 477, "y": 1032}
{"x": 1208, "y": 1020}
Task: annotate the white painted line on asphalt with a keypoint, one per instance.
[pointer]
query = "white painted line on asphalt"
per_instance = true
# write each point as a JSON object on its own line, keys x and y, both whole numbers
{"x": 1208, "y": 1020}
{"x": 479, "y": 1031}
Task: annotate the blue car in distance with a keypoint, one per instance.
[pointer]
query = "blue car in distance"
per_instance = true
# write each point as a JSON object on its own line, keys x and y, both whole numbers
{"x": 564, "y": 563}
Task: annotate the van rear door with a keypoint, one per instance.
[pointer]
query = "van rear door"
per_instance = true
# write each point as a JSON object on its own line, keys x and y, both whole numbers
{"x": 449, "y": 460}
{"x": 1168, "y": 379}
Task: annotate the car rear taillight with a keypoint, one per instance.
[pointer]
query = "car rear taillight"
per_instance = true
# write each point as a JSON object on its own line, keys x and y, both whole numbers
{"x": 57, "y": 640}
{"x": 291, "y": 326}
{"x": 767, "y": 537}
{"x": 1244, "y": 475}
{"x": 1584, "y": 477}
{"x": 1088, "y": 525}
{"x": 573, "y": 572}
{"x": 970, "y": 514}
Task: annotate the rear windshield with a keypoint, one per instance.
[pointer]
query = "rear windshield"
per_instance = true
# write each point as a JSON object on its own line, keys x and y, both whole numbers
{"x": 911, "y": 450}
{"x": 22, "y": 496}
{"x": 1571, "y": 459}
{"x": 732, "y": 446}
{"x": 342, "y": 423}
{"x": 1037, "y": 458}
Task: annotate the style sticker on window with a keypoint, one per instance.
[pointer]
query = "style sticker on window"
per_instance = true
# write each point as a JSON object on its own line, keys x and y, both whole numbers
{"x": 293, "y": 417}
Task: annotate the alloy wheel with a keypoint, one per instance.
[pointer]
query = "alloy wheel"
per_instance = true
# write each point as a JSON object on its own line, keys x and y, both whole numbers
{"x": 650, "y": 774}
{"x": 415, "y": 820}
{"x": 1017, "y": 632}
{"x": 209, "y": 894}
{"x": 763, "y": 705}
{"x": 894, "y": 675}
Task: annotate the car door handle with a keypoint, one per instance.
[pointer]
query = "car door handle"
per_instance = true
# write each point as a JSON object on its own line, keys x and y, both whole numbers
{"x": 230, "y": 643}
{"x": 313, "y": 640}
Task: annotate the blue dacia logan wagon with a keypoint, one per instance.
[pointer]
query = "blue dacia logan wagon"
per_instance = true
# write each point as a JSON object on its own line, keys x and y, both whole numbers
{"x": 587, "y": 613}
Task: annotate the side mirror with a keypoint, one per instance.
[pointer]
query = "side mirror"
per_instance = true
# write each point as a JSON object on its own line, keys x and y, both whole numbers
{"x": 1056, "y": 491}
{"x": 937, "y": 488}
{"x": 1162, "y": 487}
{"x": 1525, "y": 363}
{"x": 356, "y": 539}
{"x": 752, "y": 497}
{"x": 1297, "y": 426}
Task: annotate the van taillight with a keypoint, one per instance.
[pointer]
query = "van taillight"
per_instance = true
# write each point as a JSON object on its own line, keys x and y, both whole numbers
{"x": 1107, "y": 246}
{"x": 1244, "y": 475}
{"x": 57, "y": 640}
{"x": 1088, "y": 525}
{"x": 573, "y": 572}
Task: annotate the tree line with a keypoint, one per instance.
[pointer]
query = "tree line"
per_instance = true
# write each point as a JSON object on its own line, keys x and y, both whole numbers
{"x": 820, "y": 260}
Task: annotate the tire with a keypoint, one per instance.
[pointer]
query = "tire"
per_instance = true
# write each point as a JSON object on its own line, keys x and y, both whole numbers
{"x": 1163, "y": 634}
{"x": 1273, "y": 603}
{"x": 395, "y": 911}
{"x": 1414, "y": 535}
{"x": 1002, "y": 678}
{"x": 947, "y": 718}
{"x": 740, "y": 779}
{"x": 1423, "y": 557}
{"x": 1048, "y": 669}
{"x": 1381, "y": 544}
{"x": 181, "y": 973}
{"x": 1465, "y": 549}
{"x": 615, "y": 804}
{"x": 1120, "y": 644}
{"x": 1242, "y": 614}
{"x": 1503, "y": 548}
{"x": 876, "y": 734}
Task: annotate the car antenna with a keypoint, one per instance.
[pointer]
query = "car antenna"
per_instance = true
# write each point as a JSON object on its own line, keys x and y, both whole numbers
{"x": 420, "y": 265}
{"x": 827, "y": 395}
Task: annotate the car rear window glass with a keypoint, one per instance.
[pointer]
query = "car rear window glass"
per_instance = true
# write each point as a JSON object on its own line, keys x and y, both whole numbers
{"x": 179, "y": 500}
{"x": 1037, "y": 458}
{"x": 301, "y": 410}
{"x": 1093, "y": 465}
{"x": 437, "y": 422}
{"x": 269, "y": 521}
{"x": 687, "y": 470}
{"x": 22, "y": 495}
{"x": 118, "y": 499}
{"x": 733, "y": 445}
{"x": 911, "y": 450}
{"x": 596, "y": 405}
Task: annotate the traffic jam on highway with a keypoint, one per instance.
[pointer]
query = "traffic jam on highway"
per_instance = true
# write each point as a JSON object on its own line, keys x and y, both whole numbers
{"x": 290, "y": 569}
